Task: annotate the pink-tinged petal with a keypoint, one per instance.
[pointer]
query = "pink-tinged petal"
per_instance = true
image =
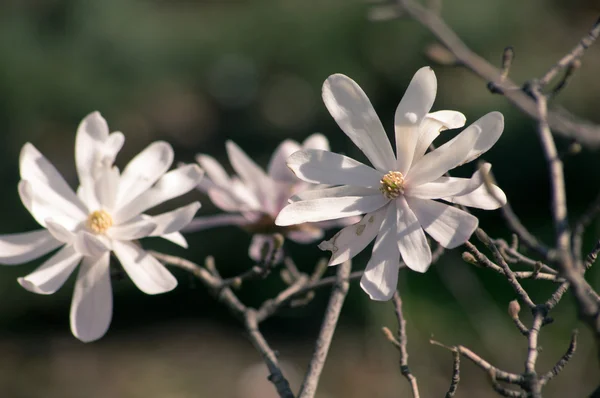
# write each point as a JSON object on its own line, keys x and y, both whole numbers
{"x": 136, "y": 228}
{"x": 177, "y": 238}
{"x": 24, "y": 247}
{"x": 306, "y": 235}
{"x": 436, "y": 163}
{"x": 261, "y": 248}
{"x": 175, "y": 220}
{"x": 53, "y": 273}
{"x": 42, "y": 205}
{"x": 143, "y": 171}
{"x": 214, "y": 171}
{"x": 432, "y": 125}
{"x": 353, "y": 239}
{"x": 449, "y": 226}
{"x": 224, "y": 200}
{"x": 414, "y": 106}
{"x": 59, "y": 232}
{"x": 44, "y": 177}
{"x": 88, "y": 244}
{"x": 335, "y": 192}
{"x": 353, "y": 112}
{"x": 380, "y": 278}
{"x": 173, "y": 184}
{"x": 329, "y": 209}
{"x": 219, "y": 220}
{"x": 316, "y": 141}
{"x": 92, "y": 303}
{"x": 491, "y": 127}
{"x": 323, "y": 167}
{"x": 277, "y": 169}
{"x": 414, "y": 249}
{"x": 148, "y": 274}
{"x": 481, "y": 198}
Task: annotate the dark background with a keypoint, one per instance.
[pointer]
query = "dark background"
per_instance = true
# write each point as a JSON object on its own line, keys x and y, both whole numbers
{"x": 197, "y": 73}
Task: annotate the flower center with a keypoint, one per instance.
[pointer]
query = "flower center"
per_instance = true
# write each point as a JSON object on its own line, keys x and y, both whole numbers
{"x": 99, "y": 221}
{"x": 392, "y": 184}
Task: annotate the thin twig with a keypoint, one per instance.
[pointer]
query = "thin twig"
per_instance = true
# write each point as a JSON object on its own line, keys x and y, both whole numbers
{"x": 455, "y": 375}
{"x": 402, "y": 342}
{"x": 308, "y": 388}
{"x": 562, "y": 362}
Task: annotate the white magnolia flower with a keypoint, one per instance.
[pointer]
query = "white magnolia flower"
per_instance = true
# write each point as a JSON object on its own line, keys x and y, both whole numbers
{"x": 106, "y": 215}
{"x": 255, "y": 197}
{"x": 399, "y": 193}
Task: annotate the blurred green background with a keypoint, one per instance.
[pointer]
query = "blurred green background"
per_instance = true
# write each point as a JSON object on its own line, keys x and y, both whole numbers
{"x": 197, "y": 73}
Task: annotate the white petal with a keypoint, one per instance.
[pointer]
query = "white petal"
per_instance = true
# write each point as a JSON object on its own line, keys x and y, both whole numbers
{"x": 143, "y": 171}
{"x": 88, "y": 244}
{"x": 306, "y": 235}
{"x": 316, "y": 141}
{"x": 53, "y": 273}
{"x": 214, "y": 170}
{"x": 91, "y": 134}
{"x": 27, "y": 246}
{"x": 44, "y": 177}
{"x": 277, "y": 169}
{"x": 380, "y": 278}
{"x": 136, "y": 228}
{"x": 491, "y": 126}
{"x": 412, "y": 242}
{"x": 148, "y": 274}
{"x": 353, "y": 239}
{"x": 323, "y": 167}
{"x": 173, "y": 184}
{"x": 219, "y": 220}
{"x": 481, "y": 198}
{"x": 432, "y": 125}
{"x": 91, "y": 306}
{"x": 329, "y": 209}
{"x": 353, "y": 112}
{"x": 335, "y": 192}
{"x": 59, "y": 232}
{"x": 414, "y": 106}
{"x": 175, "y": 220}
{"x": 43, "y": 205}
{"x": 436, "y": 163}
{"x": 442, "y": 187}
{"x": 225, "y": 200}
{"x": 177, "y": 238}
{"x": 449, "y": 226}
{"x": 106, "y": 186}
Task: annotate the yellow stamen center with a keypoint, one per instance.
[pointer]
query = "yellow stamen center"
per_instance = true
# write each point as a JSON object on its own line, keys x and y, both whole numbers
{"x": 99, "y": 221}
{"x": 392, "y": 184}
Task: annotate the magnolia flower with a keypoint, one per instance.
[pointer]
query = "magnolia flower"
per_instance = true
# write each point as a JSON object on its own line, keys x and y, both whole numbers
{"x": 399, "y": 194}
{"x": 255, "y": 196}
{"x": 106, "y": 215}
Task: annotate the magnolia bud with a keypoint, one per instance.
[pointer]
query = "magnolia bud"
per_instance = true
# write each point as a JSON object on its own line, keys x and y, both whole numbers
{"x": 513, "y": 309}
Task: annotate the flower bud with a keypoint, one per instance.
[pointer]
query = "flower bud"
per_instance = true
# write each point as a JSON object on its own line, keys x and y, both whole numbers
{"x": 513, "y": 309}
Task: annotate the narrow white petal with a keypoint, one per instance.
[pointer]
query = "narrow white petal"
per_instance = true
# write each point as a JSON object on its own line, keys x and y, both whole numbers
{"x": 491, "y": 126}
{"x": 175, "y": 220}
{"x": 136, "y": 228}
{"x": 436, "y": 163}
{"x": 329, "y": 209}
{"x": 432, "y": 125}
{"x": 43, "y": 205}
{"x": 412, "y": 242}
{"x": 316, "y": 141}
{"x": 306, "y": 235}
{"x": 173, "y": 184}
{"x": 353, "y": 112}
{"x": 335, "y": 192}
{"x": 214, "y": 171}
{"x": 323, "y": 167}
{"x": 218, "y": 220}
{"x": 59, "y": 232}
{"x": 53, "y": 273}
{"x": 442, "y": 187}
{"x": 481, "y": 198}
{"x": 143, "y": 171}
{"x": 148, "y": 274}
{"x": 88, "y": 244}
{"x": 414, "y": 106}
{"x": 106, "y": 186}
{"x": 91, "y": 306}
{"x": 277, "y": 169}
{"x": 26, "y": 246}
{"x": 380, "y": 278}
{"x": 225, "y": 200}
{"x": 177, "y": 238}
{"x": 353, "y": 239}
{"x": 449, "y": 226}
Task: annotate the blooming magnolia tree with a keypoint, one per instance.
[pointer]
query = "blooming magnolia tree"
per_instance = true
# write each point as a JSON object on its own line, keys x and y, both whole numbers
{"x": 406, "y": 201}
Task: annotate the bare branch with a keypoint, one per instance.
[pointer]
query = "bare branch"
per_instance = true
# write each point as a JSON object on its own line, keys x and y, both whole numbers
{"x": 455, "y": 375}
{"x": 563, "y": 361}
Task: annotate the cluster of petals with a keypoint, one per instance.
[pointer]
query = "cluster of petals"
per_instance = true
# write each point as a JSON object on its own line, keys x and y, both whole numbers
{"x": 402, "y": 195}
{"x": 253, "y": 197}
{"x": 104, "y": 215}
